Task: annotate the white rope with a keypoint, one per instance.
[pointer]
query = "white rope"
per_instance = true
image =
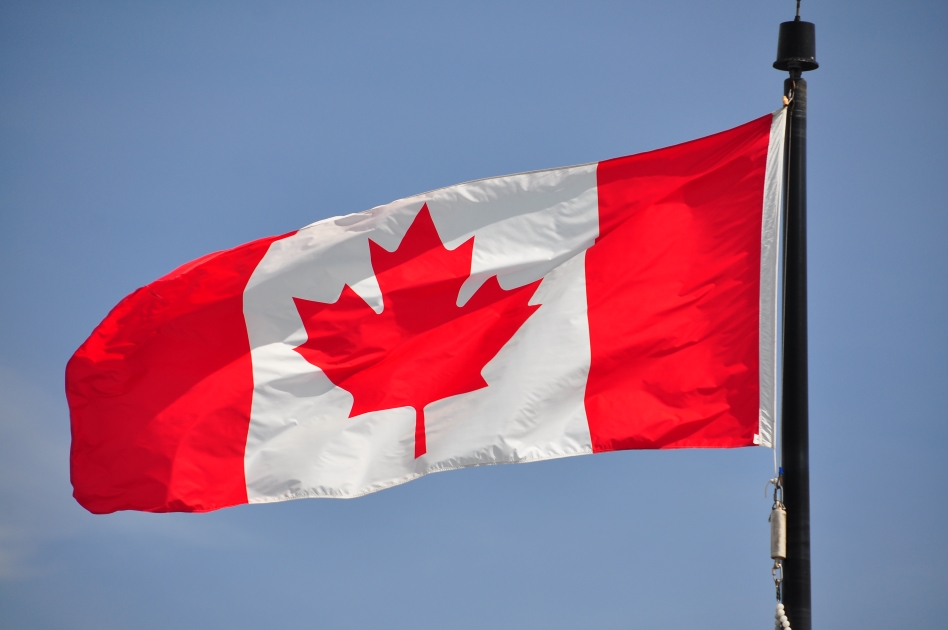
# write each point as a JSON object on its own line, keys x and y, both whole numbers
{"x": 778, "y": 551}
{"x": 780, "y": 619}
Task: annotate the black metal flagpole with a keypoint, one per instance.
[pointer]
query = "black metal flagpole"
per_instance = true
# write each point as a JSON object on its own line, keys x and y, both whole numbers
{"x": 796, "y": 53}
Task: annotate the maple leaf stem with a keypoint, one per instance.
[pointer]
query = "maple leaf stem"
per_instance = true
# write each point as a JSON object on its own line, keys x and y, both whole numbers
{"x": 420, "y": 442}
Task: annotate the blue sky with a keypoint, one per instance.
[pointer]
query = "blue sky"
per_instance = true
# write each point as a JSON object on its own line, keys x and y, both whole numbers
{"x": 137, "y": 136}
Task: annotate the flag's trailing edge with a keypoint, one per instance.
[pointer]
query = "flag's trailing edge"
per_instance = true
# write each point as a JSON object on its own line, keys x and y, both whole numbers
{"x": 625, "y": 304}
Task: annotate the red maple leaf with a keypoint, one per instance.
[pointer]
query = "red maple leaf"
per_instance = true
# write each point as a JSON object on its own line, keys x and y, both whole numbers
{"x": 422, "y": 347}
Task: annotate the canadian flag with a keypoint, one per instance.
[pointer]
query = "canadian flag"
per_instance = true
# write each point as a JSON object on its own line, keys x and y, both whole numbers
{"x": 625, "y": 304}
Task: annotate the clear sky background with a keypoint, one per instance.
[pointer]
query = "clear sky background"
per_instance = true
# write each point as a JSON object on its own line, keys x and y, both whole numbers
{"x": 136, "y": 136}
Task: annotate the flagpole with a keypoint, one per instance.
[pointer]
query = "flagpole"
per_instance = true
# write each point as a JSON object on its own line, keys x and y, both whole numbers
{"x": 796, "y": 53}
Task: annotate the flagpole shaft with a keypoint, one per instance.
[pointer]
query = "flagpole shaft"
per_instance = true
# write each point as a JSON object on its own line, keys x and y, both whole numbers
{"x": 795, "y": 444}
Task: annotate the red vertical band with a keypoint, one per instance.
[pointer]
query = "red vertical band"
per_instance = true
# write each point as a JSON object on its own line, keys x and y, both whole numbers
{"x": 673, "y": 288}
{"x": 159, "y": 395}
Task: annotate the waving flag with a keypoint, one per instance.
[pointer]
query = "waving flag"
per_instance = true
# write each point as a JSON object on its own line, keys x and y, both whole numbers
{"x": 625, "y": 304}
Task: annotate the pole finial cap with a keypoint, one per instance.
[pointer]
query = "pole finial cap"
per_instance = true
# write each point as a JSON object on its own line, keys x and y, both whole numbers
{"x": 796, "y": 46}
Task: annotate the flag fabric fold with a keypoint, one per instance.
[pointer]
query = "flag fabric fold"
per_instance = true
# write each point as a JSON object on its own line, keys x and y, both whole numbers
{"x": 624, "y": 304}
